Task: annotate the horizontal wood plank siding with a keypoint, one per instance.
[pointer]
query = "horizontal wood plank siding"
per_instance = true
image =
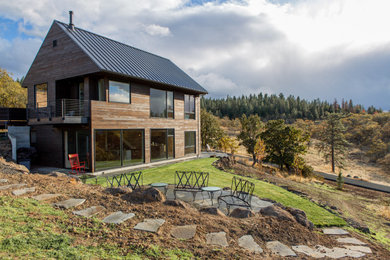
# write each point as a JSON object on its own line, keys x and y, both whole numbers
{"x": 106, "y": 115}
{"x": 53, "y": 63}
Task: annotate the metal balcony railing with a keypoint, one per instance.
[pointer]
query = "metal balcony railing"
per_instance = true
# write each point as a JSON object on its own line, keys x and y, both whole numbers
{"x": 59, "y": 108}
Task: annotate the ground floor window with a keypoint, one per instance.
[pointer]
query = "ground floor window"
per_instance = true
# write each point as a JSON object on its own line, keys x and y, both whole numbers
{"x": 116, "y": 148}
{"x": 77, "y": 142}
{"x": 189, "y": 142}
{"x": 162, "y": 144}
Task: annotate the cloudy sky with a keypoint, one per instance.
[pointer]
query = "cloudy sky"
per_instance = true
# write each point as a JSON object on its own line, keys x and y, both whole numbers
{"x": 323, "y": 49}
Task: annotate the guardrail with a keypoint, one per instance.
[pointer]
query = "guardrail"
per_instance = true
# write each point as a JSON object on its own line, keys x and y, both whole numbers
{"x": 59, "y": 108}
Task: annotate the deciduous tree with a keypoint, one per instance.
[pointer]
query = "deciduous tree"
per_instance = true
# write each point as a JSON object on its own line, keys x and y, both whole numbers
{"x": 250, "y": 129}
{"x": 211, "y": 131}
{"x": 283, "y": 143}
{"x": 11, "y": 92}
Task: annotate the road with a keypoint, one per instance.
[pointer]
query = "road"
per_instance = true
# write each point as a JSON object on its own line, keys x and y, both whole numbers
{"x": 359, "y": 183}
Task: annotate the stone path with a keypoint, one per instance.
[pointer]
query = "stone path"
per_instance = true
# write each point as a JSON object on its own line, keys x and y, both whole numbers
{"x": 308, "y": 251}
{"x": 118, "y": 217}
{"x": 279, "y": 248}
{"x": 335, "y": 231}
{"x": 184, "y": 232}
{"x": 44, "y": 197}
{"x": 89, "y": 212}
{"x": 23, "y": 191}
{"x": 249, "y": 243}
{"x": 217, "y": 239}
{"x": 363, "y": 249}
{"x": 3, "y": 180}
{"x": 12, "y": 186}
{"x": 150, "y": 225}
{"x": 70, "y": 203}
{"x": 350, "y": 240}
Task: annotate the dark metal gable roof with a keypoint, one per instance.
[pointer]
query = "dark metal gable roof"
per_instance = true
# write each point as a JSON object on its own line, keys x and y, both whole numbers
{"x": 116, "y": 57}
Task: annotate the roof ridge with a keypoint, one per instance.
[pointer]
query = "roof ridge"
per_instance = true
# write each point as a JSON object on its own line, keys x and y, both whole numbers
{"x": 64, "y": 24}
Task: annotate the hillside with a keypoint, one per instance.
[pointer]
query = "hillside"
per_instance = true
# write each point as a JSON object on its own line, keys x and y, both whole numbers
{"x": 31, "y": 229}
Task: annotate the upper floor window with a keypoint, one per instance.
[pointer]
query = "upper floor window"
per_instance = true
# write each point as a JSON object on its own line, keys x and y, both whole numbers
{"x": 40, "y": 95}
{"x": 119, "y": 92}
{"x": 161, "y": 103}
{"x": 189, "y": 107}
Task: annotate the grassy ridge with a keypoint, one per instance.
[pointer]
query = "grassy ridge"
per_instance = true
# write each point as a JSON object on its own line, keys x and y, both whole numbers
{"x": 319, "y": 216}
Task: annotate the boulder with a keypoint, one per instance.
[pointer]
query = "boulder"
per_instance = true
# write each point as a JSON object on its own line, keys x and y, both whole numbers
{"x": 300, "y": 217}
{"x": 153, "y": 194}
{"x": 177, "y": 203}
{"x": 58, "y": 174}
{"x": 277, "y": 212}
{"x": 118, "y": 191}
{"x": 212, "y": 211}
{"x": 11, "y": 167}
{"x": 241, "y": 213}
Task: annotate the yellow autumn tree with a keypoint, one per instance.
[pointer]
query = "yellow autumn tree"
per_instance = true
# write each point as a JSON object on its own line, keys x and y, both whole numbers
{"x": 12, "y": 94}
{"x": 259, "y": 152}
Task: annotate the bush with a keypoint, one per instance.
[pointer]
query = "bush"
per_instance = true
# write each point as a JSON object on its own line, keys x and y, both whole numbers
{"x": 307, "y": 171}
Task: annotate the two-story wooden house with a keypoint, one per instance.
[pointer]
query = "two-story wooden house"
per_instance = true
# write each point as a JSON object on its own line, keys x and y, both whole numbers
{"x": 113, "y": 104}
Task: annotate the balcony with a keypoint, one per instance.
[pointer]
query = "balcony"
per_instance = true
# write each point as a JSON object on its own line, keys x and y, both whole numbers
{"x": 61, "y": 111}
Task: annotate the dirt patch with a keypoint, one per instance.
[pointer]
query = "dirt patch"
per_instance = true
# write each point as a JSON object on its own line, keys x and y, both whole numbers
{"x": 262, "y": 228}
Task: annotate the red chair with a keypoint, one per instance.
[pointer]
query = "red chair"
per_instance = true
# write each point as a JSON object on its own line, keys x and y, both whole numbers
{"x": 75, "y": 164}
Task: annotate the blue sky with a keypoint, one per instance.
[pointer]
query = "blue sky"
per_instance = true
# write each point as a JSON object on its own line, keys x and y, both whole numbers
{"x": 323, "y": 49}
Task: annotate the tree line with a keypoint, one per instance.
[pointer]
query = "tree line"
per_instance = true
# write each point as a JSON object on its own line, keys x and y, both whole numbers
{"x": 272, "y": 107}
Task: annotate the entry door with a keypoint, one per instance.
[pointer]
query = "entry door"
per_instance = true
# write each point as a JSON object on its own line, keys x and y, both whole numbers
{"x": 83, "y": 147}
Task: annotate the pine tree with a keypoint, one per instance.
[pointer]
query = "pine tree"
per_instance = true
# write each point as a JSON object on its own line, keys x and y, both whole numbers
{"x": 333, "y": 143}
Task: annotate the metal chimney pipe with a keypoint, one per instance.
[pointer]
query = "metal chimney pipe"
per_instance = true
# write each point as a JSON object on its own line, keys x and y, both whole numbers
{"x": 71, "y": 25}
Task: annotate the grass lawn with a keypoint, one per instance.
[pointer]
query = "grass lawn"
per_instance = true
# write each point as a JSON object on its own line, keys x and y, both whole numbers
{"x": 318, "y": 215}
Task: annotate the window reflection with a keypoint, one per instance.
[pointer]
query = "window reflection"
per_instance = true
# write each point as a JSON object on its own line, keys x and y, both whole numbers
{"x": 162, "y": 144}
{"x": 119, "y": 92}
{"x": 189, "y": 107}
{"x": 189, "y": 142}
{"x": 161, "y": 103}
{"x": 41, "y": 95}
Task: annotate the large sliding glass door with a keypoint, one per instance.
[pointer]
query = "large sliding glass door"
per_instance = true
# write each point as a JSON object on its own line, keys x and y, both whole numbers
{"x": 116, "y": 148}
{"x": 162, "y": 144}
{"x": 77, "y": 141}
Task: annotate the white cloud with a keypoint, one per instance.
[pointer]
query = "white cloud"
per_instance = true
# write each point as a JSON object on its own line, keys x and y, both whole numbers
{"x": 158, "y": 30}
{"x": 318, "y": 48}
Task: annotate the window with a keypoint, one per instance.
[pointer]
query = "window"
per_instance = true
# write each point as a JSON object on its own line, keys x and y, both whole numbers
{"x": 54, "y": 43}
{"x": 101, "y": 90}
{"x": 119, "y": 92}
{"x": 189, "y": 107}
{"x": 116, "y": 148}
{"x": 40, "y": 95}
{"x": 161, "y": 103}
{"x": 189, "y": 142}
{"x": 162, "y": 144}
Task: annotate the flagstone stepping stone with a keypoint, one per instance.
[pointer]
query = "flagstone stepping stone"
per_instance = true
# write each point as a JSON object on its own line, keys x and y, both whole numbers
{"x": 118, "y": 217}
{"x": 43, "y": 197}
{"x": 279, "y": 248}
{"x": 3, "y": 180}
{"x": 249, "y": 243}
{"x": 12, "y": 186}
{"x": 335, "y": 231}
{"x": 338, "y": 252}
{"x": 150, "y": 225}
{"x": 217, "y": 238}
{"x": 363, "y": 249}
{"x": 70, "y": 203}
{"x": 308, "y": 251}
{"x": 350, "y": 240}
{"x": 184, "y": 232}
{"x": 23, "y": 191}
{"x": 88, "y": 212}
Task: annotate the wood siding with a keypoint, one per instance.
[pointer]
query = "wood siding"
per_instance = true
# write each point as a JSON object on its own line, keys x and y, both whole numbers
{"x": 66, "y": 60}
{"x": 106, "y": 115}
